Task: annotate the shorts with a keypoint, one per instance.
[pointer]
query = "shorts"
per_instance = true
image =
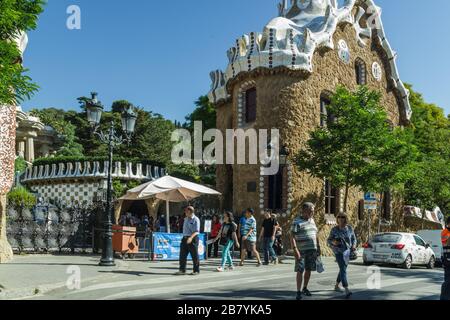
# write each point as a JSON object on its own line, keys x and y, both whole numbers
{"x": 249, "y": 245}
{"x": 307, "y": 261}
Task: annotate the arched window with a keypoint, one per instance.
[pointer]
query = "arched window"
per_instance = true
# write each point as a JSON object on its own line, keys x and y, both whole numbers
{"x": 324, "y": 103}
{"x": 361, "y": 72}
{"x": 331, "y": 198}
{"x": 276, "y": 183}
{"x": 325, "y": 115}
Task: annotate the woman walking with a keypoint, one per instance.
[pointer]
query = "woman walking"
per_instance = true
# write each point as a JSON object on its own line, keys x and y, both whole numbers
{"x": 342, "y": 241}
{"x": 215, "y": 229}
{"x": 228, "y": 238}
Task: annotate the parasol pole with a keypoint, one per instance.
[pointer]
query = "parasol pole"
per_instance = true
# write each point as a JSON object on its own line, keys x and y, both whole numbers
{"x": 168, "y": 216}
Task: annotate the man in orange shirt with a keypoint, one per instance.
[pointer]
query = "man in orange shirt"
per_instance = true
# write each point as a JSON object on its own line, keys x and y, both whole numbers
{"x": 445, "y": 294}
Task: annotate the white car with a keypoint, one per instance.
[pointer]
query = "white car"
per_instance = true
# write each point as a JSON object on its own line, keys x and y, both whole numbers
{"x": 405, "y": 249}
{"x": 433, "y": 238}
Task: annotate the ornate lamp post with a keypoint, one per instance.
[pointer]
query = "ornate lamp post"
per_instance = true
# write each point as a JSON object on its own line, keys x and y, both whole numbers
{"x": 94, "y": 109}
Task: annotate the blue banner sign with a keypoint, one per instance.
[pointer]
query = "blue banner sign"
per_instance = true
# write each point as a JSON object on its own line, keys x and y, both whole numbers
{"x": 166, "y": 246}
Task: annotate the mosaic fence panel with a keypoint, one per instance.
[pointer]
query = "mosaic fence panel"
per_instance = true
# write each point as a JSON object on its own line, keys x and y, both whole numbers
{"x": 48, "y": 228}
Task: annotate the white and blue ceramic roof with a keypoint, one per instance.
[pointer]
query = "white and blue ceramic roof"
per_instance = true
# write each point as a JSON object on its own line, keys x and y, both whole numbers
{"x": 302, "y": 27}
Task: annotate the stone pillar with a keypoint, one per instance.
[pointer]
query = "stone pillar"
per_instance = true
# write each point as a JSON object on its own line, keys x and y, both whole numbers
{"x": 29, "y": 156}
{"x": 6, "y": 253}
{"x": 7, "y": 156}
{"x": 21, "y": 149}
{"x": 44, "y": 150}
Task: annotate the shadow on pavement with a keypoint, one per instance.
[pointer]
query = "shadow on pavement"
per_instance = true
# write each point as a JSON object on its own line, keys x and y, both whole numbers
{"x": 134, "y": 273}
{"x": 54, "y": 264}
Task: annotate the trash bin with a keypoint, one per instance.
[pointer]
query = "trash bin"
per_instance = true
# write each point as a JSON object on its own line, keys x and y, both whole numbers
{"x": 124, "y": 240}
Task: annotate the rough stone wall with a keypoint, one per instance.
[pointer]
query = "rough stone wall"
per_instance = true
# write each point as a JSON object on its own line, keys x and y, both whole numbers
{"x": 224, "y": 174}
{"x": 7, "y": 156}
{"x": 290, "y": 101}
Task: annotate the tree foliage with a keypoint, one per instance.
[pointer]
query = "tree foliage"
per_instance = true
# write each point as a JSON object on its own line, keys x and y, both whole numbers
{"x": 204, "y": 112}
{"x": 150, "y": 142}
{"x": 185, "y": 171}
{"x": 20, "y": 165}
{"x": 21, "y": 197}
{"x": 429, "y": 184}
{"x": 16, "y": 16}
{"x": 359, "y": 148}
{"x": 55, "y": 118}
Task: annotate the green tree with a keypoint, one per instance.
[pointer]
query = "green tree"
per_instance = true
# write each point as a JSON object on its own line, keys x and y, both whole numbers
{"x": 150, "y": 141}
{"x": 185, "y": 171}
{"x": 119, "y": 105}
{"x": 152, "y": 138}
{"x": 359, "y": 148}
{"x": 16, "y": 16}
{"x": 204, "y": 112}
{"x": 55, "y": 118}
{"x": 20, "y": 165}
{"x": 429, "y": 185}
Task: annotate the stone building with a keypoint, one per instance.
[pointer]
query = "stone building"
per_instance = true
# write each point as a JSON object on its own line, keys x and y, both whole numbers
{"x": 282, "y": 78}
{"x": 34, "y": 139}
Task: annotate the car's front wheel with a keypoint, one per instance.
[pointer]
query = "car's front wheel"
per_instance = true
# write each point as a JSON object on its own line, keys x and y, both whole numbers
{"x": 431, "y": 263}
{"x": 408, "y": 263}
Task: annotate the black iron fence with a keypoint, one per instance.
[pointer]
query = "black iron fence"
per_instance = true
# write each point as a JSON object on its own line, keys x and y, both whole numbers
{"x": 53, "y": 227}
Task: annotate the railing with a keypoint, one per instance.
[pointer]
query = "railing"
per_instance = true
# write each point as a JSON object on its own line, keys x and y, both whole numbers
{"x": 91, "y": 170}
{"x": 50, "y": 228}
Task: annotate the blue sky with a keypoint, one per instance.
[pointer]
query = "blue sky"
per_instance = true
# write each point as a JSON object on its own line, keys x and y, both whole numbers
{"x": 158, "y": 54}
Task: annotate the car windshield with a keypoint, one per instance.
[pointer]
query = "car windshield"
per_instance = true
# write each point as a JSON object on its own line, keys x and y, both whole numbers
{"x": 387, "y": 237}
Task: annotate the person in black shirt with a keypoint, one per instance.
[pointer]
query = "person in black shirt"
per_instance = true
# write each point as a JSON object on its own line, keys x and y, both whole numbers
{"x": 228, "y": 238}
{"x": 267, "y": 235}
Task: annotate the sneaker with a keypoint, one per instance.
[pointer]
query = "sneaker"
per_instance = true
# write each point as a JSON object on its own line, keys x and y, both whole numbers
{"x": 306, "y": 292}
{"x": 259, "y": 264}
{"x": 219, "y": 269}
{"x": 195, "y": 273}
{"x": 180, "y": 273}
{"x": 231, "y": 268}
{"x": 265, "y": 263}
{"x": 348, "y": 293}
{"x": 275, "y": 261}
{"x": 299, "y": 296}
{"x": 241, "y": 264}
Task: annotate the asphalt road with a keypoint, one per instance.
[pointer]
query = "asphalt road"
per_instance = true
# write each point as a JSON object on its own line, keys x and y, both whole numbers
{"x": 145, "y": 280}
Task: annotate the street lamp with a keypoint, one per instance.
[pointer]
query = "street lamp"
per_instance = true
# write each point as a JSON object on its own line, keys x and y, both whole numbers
{"x": 94, "y": 109}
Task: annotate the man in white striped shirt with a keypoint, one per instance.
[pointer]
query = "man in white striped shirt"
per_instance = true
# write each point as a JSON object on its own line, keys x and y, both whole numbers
{"x": 306, "y": 248}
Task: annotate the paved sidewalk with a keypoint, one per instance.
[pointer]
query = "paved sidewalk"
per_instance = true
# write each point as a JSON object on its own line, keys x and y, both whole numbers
{"x": 30, "y": 275}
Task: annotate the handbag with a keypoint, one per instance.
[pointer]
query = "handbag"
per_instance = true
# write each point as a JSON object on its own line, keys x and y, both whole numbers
{"x": 352, "y": 255}
{"x": 319, "y": 265}
{"x": 346, "y": 255}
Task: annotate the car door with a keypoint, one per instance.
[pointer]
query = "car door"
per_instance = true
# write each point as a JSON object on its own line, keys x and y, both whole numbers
{"x": 421, "y": 250}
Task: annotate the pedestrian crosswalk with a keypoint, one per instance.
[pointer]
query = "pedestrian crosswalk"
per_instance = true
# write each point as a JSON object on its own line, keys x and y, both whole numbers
{"x": 265, "y": 282}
